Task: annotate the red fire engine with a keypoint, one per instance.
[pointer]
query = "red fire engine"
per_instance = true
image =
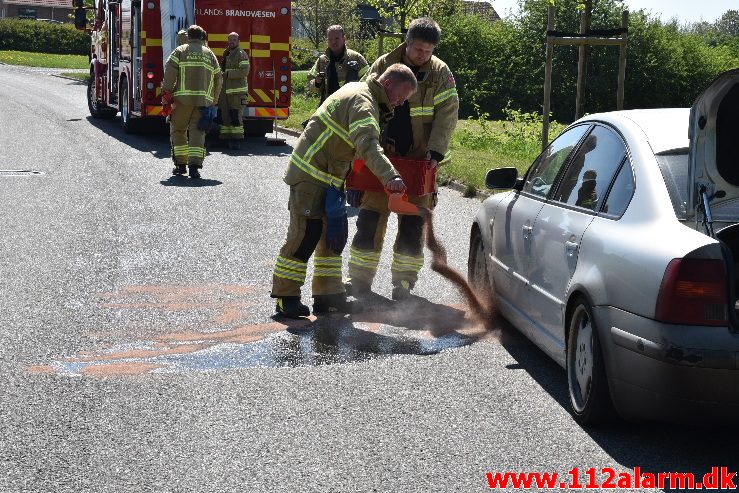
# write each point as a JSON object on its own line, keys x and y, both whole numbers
{"x": 132, "y": 39}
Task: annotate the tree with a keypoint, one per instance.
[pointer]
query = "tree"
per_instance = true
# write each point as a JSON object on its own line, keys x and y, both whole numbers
{"x": 728, "y": 24}
{"x": 404, "y": 11}
{"x": 314, "y": 16}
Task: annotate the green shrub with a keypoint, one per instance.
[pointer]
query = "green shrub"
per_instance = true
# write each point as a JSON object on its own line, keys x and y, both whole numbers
{"x": 303, "y": 53}
{"x": 42, "y": 37}
{"x": 504, "y": 61}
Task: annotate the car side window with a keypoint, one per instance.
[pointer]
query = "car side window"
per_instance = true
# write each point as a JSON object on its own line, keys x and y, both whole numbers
{"x": 591, "y": 170}
{"x": 621, "y": 192}
{"x": 545, "y": 169}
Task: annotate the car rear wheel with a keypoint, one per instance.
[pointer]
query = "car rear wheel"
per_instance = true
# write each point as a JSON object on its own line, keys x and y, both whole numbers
{"x": 586, "y": 376}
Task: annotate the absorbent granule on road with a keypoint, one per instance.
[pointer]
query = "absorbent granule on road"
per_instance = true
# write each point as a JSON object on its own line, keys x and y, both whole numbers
{"x": 483, "y": 311}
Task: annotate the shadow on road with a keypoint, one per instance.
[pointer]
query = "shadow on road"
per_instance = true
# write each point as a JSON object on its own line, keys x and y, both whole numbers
{"x": 153, "y": 137}
{"x": 653, "y": 447}
{"x": 182, "y": 181}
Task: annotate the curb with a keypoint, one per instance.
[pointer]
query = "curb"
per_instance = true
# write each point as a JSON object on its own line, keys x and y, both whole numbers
{"x": 68, "y": 78}
{"x": 288, "y": 131}
{"x": 462, "y": 188}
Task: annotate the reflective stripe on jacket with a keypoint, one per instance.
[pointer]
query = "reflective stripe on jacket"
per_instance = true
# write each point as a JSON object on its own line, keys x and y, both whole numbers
{"x": 346, "y": 126}
{"x": 434, "y": 106}
{"x": 235, "y": 72}
{"x": 343, "y": 70}
{"x": 192, "y": 74}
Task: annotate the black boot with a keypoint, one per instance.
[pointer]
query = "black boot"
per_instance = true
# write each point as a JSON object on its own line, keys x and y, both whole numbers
{"x": 234, "y": 144}
{"x": 357, "y": 288}
{"x": 179, "y": 169}
{"x": 331, "y": 303}
{"x": 194, "y": 173}
{"x": 291, "y": 307}
{"x": 402, "y": 291}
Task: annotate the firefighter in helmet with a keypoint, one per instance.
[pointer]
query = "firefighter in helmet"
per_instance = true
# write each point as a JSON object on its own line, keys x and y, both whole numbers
{"x": 420, "y": 129}
{"x": 235, "y": 67}
{"x": 345, "y": 126}
{"x": 191, "y": 86}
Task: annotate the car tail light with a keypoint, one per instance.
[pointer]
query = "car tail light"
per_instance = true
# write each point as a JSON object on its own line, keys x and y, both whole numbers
{"x": 693, "y": 292}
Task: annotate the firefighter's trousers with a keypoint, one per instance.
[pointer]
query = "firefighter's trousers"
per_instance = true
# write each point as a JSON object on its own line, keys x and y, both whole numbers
{"x": 306, "y": 234}
{"x": 188, "y": 143}
{"x": 364, "y": 254}
{"x": 232, "y": 114}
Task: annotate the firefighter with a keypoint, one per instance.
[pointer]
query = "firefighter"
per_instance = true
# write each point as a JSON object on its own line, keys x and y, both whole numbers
{"x": 337, "y": 66}
{"x": 419, "y": 129}
{"x": 235, "y": 66}
{"x": 191, "y": 86}
{"x": 345, "y": 126}
{"x": 181, "y": 37}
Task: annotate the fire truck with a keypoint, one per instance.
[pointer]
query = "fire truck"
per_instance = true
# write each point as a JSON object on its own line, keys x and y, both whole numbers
{"x": 132, "y": 39}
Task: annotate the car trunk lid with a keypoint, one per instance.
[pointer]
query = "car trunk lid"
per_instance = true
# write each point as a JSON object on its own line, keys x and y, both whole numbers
{"x": 714, "y": 146}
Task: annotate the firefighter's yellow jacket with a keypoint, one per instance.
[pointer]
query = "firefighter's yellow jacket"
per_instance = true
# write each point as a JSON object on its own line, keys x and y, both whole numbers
{"x": 351, "y": 67}
{"x": 346, "y": 126}
{"x": 235, "y": 71}
{"x": 434, "y": 106}
{"x": 192, "y": 74}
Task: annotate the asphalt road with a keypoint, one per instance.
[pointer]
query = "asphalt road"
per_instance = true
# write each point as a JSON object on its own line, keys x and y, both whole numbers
{"x": 138, "y": 352}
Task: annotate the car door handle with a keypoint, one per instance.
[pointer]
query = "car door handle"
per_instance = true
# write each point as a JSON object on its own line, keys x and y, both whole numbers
{"x": 526, "y": 230}
{"x": 571, "y": 248}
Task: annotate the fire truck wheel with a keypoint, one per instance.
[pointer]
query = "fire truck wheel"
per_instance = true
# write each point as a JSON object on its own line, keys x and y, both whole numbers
{"x": 97, "y": 108}
{"x": 129, "y": 125}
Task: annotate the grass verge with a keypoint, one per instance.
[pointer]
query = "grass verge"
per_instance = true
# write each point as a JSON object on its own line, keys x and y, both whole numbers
{"x": 45, "y": 60}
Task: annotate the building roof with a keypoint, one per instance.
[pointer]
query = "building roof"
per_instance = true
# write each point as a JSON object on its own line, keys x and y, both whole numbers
{"x": 481, "y": 8}
{"x": 64, "y": 4}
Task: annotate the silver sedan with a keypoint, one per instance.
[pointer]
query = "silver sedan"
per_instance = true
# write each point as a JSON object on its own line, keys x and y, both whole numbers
{"x": 616, "y": 254}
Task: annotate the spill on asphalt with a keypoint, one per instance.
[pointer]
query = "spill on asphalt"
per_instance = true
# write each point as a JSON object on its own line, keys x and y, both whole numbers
{"x": 180, "y": 329}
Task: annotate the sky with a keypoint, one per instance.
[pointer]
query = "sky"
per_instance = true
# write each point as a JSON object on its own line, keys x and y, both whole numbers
{"x": 686, "y": 11}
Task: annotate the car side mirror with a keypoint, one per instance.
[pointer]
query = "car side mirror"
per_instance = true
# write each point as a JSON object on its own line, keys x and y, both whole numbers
{"x": 80, "y": 18}
{"x": 501, "y": 178}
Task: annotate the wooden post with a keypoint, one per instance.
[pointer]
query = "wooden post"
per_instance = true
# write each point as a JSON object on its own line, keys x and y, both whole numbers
{"x": 547, "y": 82}
{"x": 622, "y": 62}
{"x": 581, "y": 62}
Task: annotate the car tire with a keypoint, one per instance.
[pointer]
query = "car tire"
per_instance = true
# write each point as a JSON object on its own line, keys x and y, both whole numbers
{"x": 590, "y": 400}
{"x": 477, "y": 269}
{"x": 97, "y": 108}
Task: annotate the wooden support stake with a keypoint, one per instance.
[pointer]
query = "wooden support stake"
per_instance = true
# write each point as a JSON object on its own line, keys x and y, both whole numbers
{"x": 581, "y": 61}
{"x": 547, "y": 82}
{"x": 622, "y": 62}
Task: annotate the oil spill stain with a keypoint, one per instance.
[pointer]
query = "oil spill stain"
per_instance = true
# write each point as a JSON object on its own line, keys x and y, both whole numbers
{"x": 382, "y": 328}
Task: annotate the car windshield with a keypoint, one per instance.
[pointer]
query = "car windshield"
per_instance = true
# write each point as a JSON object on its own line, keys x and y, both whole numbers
{"x": 674, "y": 167}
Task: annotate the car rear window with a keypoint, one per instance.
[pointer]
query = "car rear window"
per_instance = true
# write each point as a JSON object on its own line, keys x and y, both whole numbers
{"x": 674, "y": 168}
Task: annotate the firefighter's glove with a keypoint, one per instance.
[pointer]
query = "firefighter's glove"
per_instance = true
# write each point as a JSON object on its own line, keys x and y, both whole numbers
{"x": 354, "y": 197}
{"x": 337, "y": 225}
{"x": 166, "y": 103}
{"x": 207, "y": 117}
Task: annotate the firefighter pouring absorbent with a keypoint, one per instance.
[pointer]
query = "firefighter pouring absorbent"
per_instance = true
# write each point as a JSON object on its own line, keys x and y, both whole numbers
{"x": 346, "y": 126}
{"x": 191, "y": 86}
{"x": 420, "y": 129}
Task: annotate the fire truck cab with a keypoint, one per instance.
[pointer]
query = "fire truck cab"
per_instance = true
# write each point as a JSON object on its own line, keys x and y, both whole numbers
{"x": 132, "y": 39}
